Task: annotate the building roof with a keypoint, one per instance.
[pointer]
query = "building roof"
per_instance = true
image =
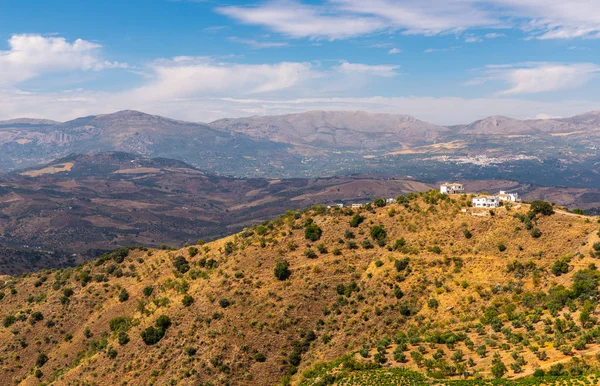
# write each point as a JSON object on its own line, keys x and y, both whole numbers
{"x": 486, "y": 198}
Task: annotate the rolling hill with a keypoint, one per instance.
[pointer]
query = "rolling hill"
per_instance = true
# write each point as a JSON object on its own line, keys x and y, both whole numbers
{"x": 314, "y": 298}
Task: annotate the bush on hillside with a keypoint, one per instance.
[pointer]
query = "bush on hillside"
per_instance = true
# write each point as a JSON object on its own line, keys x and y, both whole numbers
{"x": 312, "y": 232}
{"x": 356, "y": 220}
{"x": 541, "y": 207}
{"x": 378, "y": 233}
{"x": 181, "y": 264}
{"x": 123, "y": 295}
{"x": 379, "y": 202}
{"x": 282, "y": 270}
{"x": 187, "y": 300}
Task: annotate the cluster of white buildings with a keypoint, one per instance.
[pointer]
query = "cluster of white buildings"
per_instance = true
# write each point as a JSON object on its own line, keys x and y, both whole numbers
{"x": 489, "y": 201}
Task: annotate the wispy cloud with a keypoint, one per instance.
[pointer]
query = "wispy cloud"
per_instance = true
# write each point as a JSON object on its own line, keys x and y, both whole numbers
{"x": 532, "y": 78}
{"x": 258, "y": 44}
{"x": 473, "y": 39}
{"x": 447, "y": 49}
{"x": 339, "y": 19}
{"x": 386, "y": 71}
{"x": 494, "y": 35}
{"x": 394, "y": 51}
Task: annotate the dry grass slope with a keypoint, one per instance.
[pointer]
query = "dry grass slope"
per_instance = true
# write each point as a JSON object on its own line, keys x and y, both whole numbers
{"x": 421, "y": 285}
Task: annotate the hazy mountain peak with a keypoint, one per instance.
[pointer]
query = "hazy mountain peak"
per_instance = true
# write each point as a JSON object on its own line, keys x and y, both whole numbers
{"x": 341, "y": 129}
{"x": 29, "y": 121}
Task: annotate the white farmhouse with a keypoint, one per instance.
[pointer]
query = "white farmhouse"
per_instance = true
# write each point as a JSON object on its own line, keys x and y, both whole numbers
{"x": 390, "y": 201}
{"x": 451, "y": 188}
{"x": 486, "y": 202}
{"x": 357, "y": 206}
{"x": 509, "y": 197}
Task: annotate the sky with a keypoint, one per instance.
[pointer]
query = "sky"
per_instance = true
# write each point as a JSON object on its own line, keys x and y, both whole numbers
{"x": 442, "y": 61}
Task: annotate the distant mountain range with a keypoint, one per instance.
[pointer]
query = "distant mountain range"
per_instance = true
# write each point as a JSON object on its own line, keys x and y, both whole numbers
{"x": 322, "y": 143}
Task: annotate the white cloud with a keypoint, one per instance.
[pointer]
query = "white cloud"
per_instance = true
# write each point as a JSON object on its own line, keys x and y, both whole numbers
{"x": 394, "y": 51}
{"x": 494, "y": 35}
{"x": 258, "y": 44}
{"x": 338, "y": 19}
{"x": 448, "y": 49}
{"x": 183, "y": 77}
{"x": 556, "y": 19}
{"x": 473, "y": 39}
{"x": 386, "y": 71}
{"x": 30, "y": 56}
{"x": 422, "y": 17}
{"x": 546, "y": 77}
{"x": 531, "y": 78}
{"x": 299, "y": 20}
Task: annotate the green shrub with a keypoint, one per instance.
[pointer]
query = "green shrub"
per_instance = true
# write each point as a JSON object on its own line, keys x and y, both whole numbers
{"x": 224, "y": 303}
{"x": 282, "y": 270}
{"x": 9, "y": 320}
{"x": 535, "y": 233}
{"x": 541, "y": 207}
{"x": 119, "y": 324}
{"x": 379, "y": 202}
{"x": 187, "y": 300}
{"x": 433, "y": 303}
{"x": 356, "y": 220}
{"x": 181, "y": 264}
{"x": 41, "y": 360}
{"x": 311, "y": 254}
{"x": 190, "y": 351}
{"x": 322, "y": 249}
{"x": 560, "y": 266}
{"x": 401, "y": 264}
{"x": 36, "y": 317}
{"x": 312, "y": 232}
{"x": 123, "y": 338}
{"x": 152, "y": 335}
{"x": 378, "y": 233}
{"x": 123, "y": 295}
{"x": 148, "y": 291}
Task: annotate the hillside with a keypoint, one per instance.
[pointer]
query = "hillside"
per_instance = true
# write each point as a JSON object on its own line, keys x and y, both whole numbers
{"x": 421, "y": 285}
{"x": 88, "y": 204}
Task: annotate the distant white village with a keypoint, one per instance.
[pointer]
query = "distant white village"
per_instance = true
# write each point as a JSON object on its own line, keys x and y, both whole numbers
{"x": 482, "y": 201}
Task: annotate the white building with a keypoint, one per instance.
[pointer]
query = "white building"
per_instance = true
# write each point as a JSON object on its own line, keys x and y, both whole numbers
{"x": 357, "y": 206}
{"x": 486, "y": 202}
{"x": 509, "y": 197}
{"x": 390, "y": 201}
{"x": 451, "y": 188}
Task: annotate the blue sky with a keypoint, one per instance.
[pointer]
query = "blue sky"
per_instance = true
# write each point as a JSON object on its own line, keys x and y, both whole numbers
{"x": 444, "y": 61}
